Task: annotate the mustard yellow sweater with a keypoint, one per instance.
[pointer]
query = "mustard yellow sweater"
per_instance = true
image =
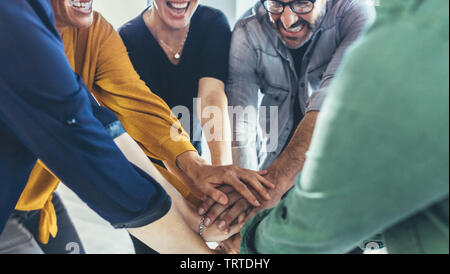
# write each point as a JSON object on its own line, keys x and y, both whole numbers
{"x": 99, "y": 56}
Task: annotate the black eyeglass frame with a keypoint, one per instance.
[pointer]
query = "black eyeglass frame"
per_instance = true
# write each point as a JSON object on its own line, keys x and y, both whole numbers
{"x": 290, "y": 4}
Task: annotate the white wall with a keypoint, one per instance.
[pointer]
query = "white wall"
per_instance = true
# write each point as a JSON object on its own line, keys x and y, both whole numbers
{"x": 118, "y": 12}
{"x": 233, "y": 9}
{"x": 243, "y": 5}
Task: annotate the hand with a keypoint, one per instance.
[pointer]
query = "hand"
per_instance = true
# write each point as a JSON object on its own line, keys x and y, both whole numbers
{"x": 231, "y": 246}
{"x": 207, "y": 178}
{"x": 238, "y": 206}
{"x": 214, "y": 234}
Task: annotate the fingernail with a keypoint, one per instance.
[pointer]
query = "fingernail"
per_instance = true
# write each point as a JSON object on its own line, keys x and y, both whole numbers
{"x": 226, "y": 232}
{"x": 201, "y": 211}
{"x": 223, "y": 200}
{"x": 257, "y": 203}
{"x": 207, "y": 221}
{"x": 222, "y": 225}
{"x": 268, "y": 197}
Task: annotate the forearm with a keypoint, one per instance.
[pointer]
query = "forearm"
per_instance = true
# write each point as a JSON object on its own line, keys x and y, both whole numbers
{"x": 289, "y": 164}
{"x": 136, "y": 156}
{"x": 213, "y": 113}
{"x": 185, "y": 210}
{"x": 282, "y": 172}
{"x": 171, "y": 234}
{"x": 181, "y": 216}
{"x": 218, "y": 136}
{"x": 188, "y": 165}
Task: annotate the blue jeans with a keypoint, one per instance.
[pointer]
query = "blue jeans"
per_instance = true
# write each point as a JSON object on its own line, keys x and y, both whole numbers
{"x": 20, "y": 235}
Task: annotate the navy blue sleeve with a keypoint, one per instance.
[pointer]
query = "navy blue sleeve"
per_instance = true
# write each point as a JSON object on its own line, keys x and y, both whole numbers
{"x": 215, "y": 56}
{"x": 45, "y": 113}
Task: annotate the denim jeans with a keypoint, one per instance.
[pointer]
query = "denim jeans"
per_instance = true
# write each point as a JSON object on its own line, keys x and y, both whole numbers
{"x": 21, "y": 233}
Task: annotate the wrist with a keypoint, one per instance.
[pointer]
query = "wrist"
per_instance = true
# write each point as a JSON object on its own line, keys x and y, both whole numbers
{"x": 282, "y": 178}
{"x": 190, "y": 163}
{"x": 220, "y": 153}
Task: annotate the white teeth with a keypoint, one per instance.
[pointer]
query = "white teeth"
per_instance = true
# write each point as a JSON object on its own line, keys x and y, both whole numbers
{"x": 296, "y": 29}
{"x": 179, "y": 5}
{"x": 81, "y": 5}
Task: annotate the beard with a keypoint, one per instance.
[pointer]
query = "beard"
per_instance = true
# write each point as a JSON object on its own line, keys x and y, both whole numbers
{"x": 299, "y": 41}
{"x": 311, "y": 27}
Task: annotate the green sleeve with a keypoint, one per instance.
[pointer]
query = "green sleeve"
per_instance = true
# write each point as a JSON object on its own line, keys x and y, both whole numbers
{"x": 379, "y": 156}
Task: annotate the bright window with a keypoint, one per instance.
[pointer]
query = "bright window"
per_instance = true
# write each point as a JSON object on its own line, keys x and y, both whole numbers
{"x": 118, "y": 12}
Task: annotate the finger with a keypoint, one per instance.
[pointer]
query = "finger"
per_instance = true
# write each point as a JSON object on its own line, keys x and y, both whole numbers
{"x": 220, "y": 249}
{"x": 259, "y": 176}
{"x": 240, "y": 207}
{"x": 251, "y": 180}
{"x": 241, "y": 219}
{"x": 263, "y": 172}
{"x": 251, "y": 214}
{"x": 226, "y": 189}
{"x": 216, "y": 195}
{"x": 265, "y": 182}
{"x": 205, "y": 206}
{"x": 218, "y": 209}
{"x": 231, "y": 246}
{"x": 243, "y": 190}
{"x": 234, "y": 229}
{"x": 208, "y": 202}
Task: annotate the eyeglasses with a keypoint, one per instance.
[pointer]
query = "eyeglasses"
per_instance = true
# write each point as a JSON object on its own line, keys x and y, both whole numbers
{"x": 297, "y": 6}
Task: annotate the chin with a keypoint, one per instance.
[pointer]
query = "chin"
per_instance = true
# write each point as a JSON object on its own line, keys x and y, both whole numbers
{"x": 177, "y": 13}
{"x": 177, "y": 24}
{"x": 291, "y": 44}
{"x": 295, "y": 43}
{"x": 85, "y": 23}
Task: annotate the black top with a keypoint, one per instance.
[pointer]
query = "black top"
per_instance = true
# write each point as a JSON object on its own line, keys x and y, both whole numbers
{"x": 298, "y": 55}
{"x": 205, "y": 54}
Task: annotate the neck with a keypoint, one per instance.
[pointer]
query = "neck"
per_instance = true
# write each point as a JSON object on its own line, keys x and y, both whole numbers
{"x": 59, "y": 23}
{"x": 161, "y": 30}
{"x": 60, "y": 28}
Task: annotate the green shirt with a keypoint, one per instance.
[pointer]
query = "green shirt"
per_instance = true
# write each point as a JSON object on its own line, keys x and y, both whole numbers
{"x": 379, "y": 159}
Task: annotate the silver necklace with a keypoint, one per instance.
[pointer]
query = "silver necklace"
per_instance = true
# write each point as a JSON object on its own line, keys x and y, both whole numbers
{"x": 176, "y": 54}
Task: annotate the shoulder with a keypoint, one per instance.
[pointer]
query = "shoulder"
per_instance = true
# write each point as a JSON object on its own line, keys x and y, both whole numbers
{"x": 349, "y": 10}
{"x": 132, "y": 29}
{"x": 252, "y": 27}
{"x": 100, "y": 24}
{"x": 209, "y": 17}
{"x": 209, "y": 14}
{"x": 251, "y": 18}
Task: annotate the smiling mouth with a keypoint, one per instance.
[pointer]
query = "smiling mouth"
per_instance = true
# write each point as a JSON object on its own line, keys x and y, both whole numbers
{"x": 295, "y": 28}
{"x": 84, "y": 6}
{"x": 178, "y": 8}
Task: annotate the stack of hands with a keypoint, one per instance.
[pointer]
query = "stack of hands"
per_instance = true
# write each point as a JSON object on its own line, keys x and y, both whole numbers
{"x": 227, "y": 207}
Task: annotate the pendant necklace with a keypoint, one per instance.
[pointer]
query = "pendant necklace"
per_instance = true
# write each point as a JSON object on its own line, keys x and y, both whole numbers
{"x": 176, "y": 54}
